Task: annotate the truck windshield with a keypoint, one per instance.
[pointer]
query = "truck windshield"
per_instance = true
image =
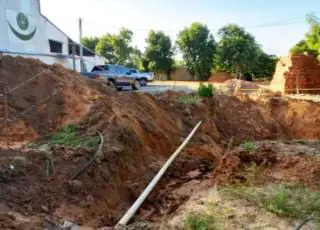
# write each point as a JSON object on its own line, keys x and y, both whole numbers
{"x": 100, "y": 68}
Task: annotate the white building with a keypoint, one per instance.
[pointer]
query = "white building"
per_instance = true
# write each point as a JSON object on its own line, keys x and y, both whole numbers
{"x": 24, "y": 31}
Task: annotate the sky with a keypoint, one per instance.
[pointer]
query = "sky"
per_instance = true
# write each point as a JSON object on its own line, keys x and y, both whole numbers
{"x": 276, "y": 24}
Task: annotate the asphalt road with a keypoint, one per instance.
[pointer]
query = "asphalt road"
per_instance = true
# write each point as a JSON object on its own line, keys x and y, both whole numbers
{"x": 154, "y": 88}
{"x": 190, "y": 87}
{"x": 162, "y": 86}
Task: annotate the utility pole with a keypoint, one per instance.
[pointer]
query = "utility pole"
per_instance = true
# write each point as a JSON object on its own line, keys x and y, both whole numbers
{"x": 80, "y": 45}
{"x": 74, "y": 56}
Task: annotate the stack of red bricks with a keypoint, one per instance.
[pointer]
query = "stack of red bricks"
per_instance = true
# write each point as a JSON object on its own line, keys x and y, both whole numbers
{"x": 297, "y": 73}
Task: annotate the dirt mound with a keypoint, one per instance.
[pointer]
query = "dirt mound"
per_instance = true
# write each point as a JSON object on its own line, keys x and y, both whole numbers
{"x": 220, "y": 77}
{"x": 140, "y": 132}
{"x": 271, "y": 163}
{"x": 40, "y": 98}
{"x": 236, "y": 86}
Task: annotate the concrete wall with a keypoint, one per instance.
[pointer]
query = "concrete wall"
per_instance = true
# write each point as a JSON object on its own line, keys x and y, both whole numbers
{"x": 29, "y": 34}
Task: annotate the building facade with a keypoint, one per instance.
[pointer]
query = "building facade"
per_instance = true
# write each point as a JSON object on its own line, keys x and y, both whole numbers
{"x": 26, "y": 32}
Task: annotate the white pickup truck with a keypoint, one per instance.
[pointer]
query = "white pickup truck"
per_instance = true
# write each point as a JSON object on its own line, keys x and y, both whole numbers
{"x": 144, "y": 78}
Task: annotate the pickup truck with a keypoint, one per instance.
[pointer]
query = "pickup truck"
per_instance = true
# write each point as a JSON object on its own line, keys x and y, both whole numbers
{"x": 116, "y": 76}
{"x": 144, "y": 78}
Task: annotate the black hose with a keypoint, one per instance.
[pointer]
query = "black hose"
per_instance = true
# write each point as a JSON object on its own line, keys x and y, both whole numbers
{"x": 309, "y": 218}
{"x": 92, "y": 159}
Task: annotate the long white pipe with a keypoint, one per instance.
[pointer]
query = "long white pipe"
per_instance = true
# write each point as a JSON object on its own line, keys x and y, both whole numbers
{"x": 132, "y": 210}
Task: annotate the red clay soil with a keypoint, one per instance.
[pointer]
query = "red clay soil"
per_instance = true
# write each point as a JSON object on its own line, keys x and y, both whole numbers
{"x": 273, "y": 167}
{"x": 140, "y": 133}
{"x": 71, "y": 102}
{"x": 220, "y": 77}
{"x": 300, "y": 118}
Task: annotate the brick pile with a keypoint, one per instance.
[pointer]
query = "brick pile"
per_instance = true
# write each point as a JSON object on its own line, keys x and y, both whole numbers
{"x": 297, "y": 73}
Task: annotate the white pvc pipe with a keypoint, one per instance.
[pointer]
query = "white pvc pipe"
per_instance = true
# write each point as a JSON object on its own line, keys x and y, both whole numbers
{"x": 132, "y": 210}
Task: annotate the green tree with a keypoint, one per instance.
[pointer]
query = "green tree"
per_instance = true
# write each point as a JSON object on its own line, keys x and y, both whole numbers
{"x": 116, "y": 48}
{"x": 313, "y": 36}
{"x": 178, "y": 64}
{"x": 105, "y": 48}
{"x": 90, "y": 42}
{"x": 135, "y": 59}
{"x": 311, "y": 43}
{"x": 236, "y": 50}
{"x": 264, "y": 65}
{"x": 144, "y": 64}
{"x": 197, "y": 45}
{"x": 300, "y": 48}
{"x": 159, "y": 52}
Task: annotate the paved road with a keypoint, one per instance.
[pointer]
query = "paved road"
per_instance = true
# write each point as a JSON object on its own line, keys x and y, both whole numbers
{"x": 155, "y": 88}
{"x": 189, "y": 87}
{"x": 161, "y": 86}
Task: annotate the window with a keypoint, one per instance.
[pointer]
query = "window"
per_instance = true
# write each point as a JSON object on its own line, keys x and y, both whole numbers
{"x": 133, "y": 71}
{"x": 55, "y": 47}
{"x": 86, "y": 52}
{"x": 100, "y": 68}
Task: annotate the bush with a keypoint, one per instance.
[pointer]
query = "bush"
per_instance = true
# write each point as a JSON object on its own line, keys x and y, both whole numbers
{"x": 248, "y": 146}
{"x": 200, "y": 222}
{"x": 205, "y": 91}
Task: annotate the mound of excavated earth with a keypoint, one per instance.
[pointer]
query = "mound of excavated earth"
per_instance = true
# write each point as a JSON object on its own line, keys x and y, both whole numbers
{"x": 40, "y": 98}
{"x": 140, "y": 132}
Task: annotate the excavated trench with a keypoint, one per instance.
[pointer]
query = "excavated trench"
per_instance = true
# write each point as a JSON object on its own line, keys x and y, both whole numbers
{"x": 140, "y": 132}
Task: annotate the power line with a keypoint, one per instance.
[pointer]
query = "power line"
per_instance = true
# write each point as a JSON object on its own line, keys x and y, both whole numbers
{"x": 283, "y": 22}
{"x": 120, "y": 27}
{"x": 279, "y": 22}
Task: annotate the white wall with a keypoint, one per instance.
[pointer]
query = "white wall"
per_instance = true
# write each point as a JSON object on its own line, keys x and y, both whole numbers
{"x": 9, "y": 9}
{"x": 37, "y": 46}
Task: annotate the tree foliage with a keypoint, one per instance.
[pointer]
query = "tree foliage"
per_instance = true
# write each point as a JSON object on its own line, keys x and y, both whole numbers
{"x": 311, "y": 43}
{"x": 313, "y": 36}
{"x": 116, "y": 48}
{"x": 135, "y": 59}
{"x": 197, "y": 45}
{"x": 264, "y": 65}
{"x": 105, "y": 48}
{"x": 90, "y": 42}
{"x": 236, "y": 51}
{"x": 158, "y": 53}
{"x": 300, "y": 48}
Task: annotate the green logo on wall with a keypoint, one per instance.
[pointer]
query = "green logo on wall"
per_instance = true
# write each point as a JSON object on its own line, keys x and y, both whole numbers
{"x": 23, "y": 23}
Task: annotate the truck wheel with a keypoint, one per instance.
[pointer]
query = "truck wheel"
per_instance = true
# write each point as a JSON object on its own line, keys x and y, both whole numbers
{"x": 143, "y": 82}
{"x": 111, "y": 84}
{"x": 136, "y": 85}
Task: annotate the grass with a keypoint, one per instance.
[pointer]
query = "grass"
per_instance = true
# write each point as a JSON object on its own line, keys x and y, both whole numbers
{"x": 188, "y": 99}
{"x": 200, "y": 222}
{"x": 251, "y": 173}
{"x": 248, "y": 146}
{"x": 296, "y": 202}
{"x": 67, "y": 136}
